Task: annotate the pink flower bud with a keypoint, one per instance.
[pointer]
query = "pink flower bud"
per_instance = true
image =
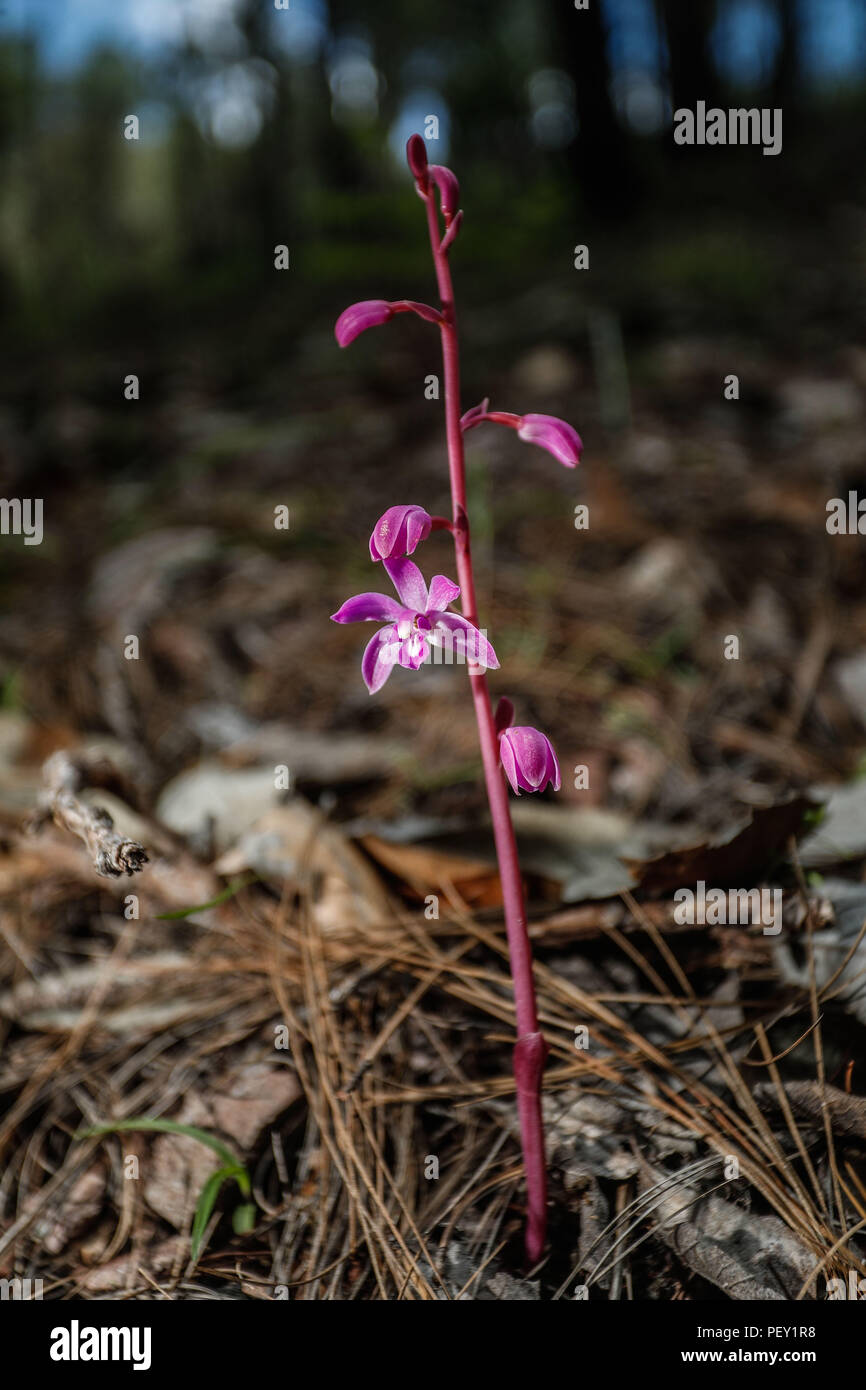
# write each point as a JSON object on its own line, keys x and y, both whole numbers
{"x": 399, "y": 531}
{"x": 549, "y": 432}
{"x": 528, "y": 759}
{"x": 368, "y": 313}
{"x": 554, "y": 435}
{"x": 449, "y": 190}
{"x": 416, "y": 158}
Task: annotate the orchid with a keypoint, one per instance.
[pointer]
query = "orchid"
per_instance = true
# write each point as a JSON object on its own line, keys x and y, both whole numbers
{"x": 399, "y": 531}
{"x": 528, "y": 759}
{"x": 369, "y": 313}
{"x": 547, "y": 431}
{"x": 418, "y": 622}
{"x": 420, "y": 619}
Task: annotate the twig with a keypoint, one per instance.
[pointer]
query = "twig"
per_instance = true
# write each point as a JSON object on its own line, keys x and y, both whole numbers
{"x": 65, "y": 777}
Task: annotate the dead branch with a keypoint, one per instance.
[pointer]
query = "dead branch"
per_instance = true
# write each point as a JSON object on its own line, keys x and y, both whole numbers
{"x": 66, "y": 775}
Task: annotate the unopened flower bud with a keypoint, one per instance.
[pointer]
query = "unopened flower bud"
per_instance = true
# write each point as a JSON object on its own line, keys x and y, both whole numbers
{"x": 399, "y": 531}
{"x": 449, "y": 190}
{"x": 528, "y": 760}
{"x": 416, "y": 158}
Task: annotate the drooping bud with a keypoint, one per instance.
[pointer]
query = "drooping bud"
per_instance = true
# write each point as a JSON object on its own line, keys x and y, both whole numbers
{"x": 399, "y": 531}
{"x": 449, "y": 190}
{"x": 547, "y": 431}
{"x": 367, "y": 313}
{"x": 528, "y": 760}
{"x": 554, "y": 435}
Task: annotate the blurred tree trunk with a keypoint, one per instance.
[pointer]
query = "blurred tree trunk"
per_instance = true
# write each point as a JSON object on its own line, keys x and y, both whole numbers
{"x": 266, "y": 173}
{"x": 788, "y": 61}
{"x": 600, "y": 157}
{"x": 692, "y": 74}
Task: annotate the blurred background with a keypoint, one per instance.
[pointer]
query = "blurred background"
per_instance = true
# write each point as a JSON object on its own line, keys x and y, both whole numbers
{"x": 261, "y": 127}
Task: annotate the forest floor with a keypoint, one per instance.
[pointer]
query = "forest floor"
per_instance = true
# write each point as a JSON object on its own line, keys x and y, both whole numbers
{"x": 317, "y": 979}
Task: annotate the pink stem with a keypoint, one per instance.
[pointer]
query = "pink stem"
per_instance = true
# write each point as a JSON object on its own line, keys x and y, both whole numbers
{"x": 530, "y": 1049}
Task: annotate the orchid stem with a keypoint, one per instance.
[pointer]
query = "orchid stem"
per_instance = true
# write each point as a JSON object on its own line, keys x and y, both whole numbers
{"x": 530, "y": 1049}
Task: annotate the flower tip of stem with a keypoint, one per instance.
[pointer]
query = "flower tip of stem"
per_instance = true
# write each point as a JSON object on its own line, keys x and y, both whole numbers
{"x": 416, "y": 158}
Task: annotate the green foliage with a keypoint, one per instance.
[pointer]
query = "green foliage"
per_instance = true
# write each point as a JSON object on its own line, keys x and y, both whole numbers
{"x": 229, "y": 892}
{"x": 232, "y": 1170}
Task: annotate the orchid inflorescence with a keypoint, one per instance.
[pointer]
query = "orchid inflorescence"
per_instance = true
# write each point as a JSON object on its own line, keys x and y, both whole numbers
{"x": 420, "y": 619}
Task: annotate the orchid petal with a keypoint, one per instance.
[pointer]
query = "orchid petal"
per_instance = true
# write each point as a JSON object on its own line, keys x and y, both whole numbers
{"x": 399, "y": 531}
{"x": 465, "y": 638}
{"x": 367, "y": 608}
{"x": 367, "y": 313}
{"x": 554, "y": 435}
{"x": 409, "y": 583}
{"x": 442, "y": 592}
{"x": 509, "y": 766}
{"x": 377, "y": 663}
{"x": 553, "y": 773}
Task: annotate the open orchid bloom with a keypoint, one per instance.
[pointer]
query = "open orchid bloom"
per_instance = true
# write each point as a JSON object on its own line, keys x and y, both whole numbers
{"x": 369, "y": 313}
{"x": 528, "y": 759}
{"x": 419, "y": 621}
{"x": 547, "y": 431}
{"x": 399, "y": 531}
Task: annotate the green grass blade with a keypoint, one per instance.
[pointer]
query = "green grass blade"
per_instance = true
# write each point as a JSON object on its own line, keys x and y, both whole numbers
{"x": 205, "y": 1205}
{"x": 243, "y": 1217}
{"x": 222, "y": 897}
{"x": 164, "y": 1127}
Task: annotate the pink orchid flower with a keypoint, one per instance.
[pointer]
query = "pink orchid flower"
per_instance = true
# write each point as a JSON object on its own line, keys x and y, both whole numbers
{"x": 449, "y": 190}
{"x": 526, "y": 754}
{"x": 418, "y": 622}
{"x": 369, "y": 313}
{"x": 547, "y": 431}
{"x": 399, "y": 531}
